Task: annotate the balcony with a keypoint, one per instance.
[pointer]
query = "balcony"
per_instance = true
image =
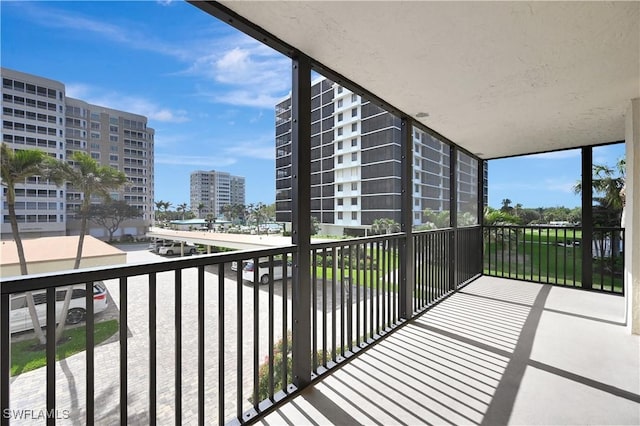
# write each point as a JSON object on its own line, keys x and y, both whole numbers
{"x": 496, "y": 352}
{"x": 200, "y": 343}
{"x": 404, "y": 328}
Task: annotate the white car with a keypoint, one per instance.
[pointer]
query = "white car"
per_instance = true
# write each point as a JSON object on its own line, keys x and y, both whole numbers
{"x": 263, "y": 270}
{"x": 174, "y": 248}
{"x": 20, "y": 320}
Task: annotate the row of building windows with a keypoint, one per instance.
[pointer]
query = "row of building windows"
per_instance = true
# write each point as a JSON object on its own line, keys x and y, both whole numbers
{"x": 43, "y": 130}
{"x": 354, "y": 113}
{"x": 354, "y": 216}
{"x": 354, "y": 128}
{"x": 26, "y": 140}
{"x": 19, "y": 100}
{"x": 354, "y": 157}
{"x": 20, "y": 86}
{"x": 32, "y": 205}
{"x": 40, "y": 193}
{"x": 354, "y": 187}
{"x": 33, "y": 218}
{"x": 139, "y": 135}
{"x": 30, "y": 115}
{"x": 354, "y": 201}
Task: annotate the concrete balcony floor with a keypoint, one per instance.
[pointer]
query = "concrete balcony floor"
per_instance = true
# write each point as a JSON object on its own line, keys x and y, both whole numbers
{"x": 497, "y": 352}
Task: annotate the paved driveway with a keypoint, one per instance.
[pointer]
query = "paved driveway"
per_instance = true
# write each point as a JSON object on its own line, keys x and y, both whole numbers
{"x": 27, "y": 390}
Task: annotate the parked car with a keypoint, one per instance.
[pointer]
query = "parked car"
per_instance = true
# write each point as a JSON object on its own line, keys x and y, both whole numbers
{"x": 263, "y": 270}
{"x": 20, "y": 320}
{"x": 155, "y": 246}
{"x": 174, "y": 248}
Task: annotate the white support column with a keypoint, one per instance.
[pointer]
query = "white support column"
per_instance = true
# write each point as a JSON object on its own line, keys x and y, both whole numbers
{"x": 632, "y": 219}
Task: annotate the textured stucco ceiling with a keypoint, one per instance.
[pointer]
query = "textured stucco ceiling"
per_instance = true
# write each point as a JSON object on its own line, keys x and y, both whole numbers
{"x": 497, "y": 78}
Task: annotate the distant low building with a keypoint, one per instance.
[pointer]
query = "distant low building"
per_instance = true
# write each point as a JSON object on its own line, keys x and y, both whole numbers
{"x": 53, "y": 254}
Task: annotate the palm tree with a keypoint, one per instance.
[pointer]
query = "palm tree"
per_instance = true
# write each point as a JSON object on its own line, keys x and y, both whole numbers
{"x": 608, "y": 183}
{"x": 506, "y": 205}
{"x": 16, "y": 166}
{"x": 182, "y": 208}
{"x": 159, "y": 206}
{"x": 199, "y": 208}
{"x": 90, "y": 178}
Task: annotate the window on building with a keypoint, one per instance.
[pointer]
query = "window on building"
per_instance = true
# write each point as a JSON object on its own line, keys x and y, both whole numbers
{"x": 339, "y": 90}
{"x": 340, "y": 201}
{"x": 354, "y": 127}
{"x": 339, "y": 187}
{"x": 95, "y": 155}
{"x": 354, "y": 215}
{"x": 339, "y": 103}
{"x": 339, "y": 144}
{"x": 339, "y": 159}
{"x": 113, "y": 157}
{"x": 354, "y": 142}
{"x": 354, "y": 112}
{"x": 339, "y": 215}
{"x": 354, "y": 97}
{"x": 340, "y": 117}
{"x": 354, "y": 156}
{"x": 354, "y": 201}
{"x": 339, "y": 131}
{"x": 354, "y": 186}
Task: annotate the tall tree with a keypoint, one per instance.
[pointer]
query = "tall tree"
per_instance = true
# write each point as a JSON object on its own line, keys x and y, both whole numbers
{"x": 15, "y": 167}
{"x": 506, "y": 205}
{"x": 607, "y": 185}
{"x": 92, "y": 179}
{"x": 159, "y": 207}
{"x": 111, "y": 214}
{"x": 182, "y": 208}
{"x": 199, "y": 208}
{"x": 384, "y": 226}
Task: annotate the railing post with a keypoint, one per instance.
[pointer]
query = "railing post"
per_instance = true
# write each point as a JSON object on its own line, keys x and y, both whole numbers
{"x": 453, "y": 216}
{"x": 587, "y": 217}
{"x": 5, "y": 359}
{"x": 301, "y": 218}
{"x": 481, "y": 171}
{"x": 407, "y": 269}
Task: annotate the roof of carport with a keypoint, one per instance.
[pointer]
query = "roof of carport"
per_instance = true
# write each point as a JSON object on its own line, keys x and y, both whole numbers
{"x": 233, "y": 241}
{"x": 496, "y": 78}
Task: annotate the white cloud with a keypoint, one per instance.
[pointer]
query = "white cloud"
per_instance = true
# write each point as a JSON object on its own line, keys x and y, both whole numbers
{"x": 238, "y": 69}
{"x": 137, "y": 105}
{"x": 256, "y": 75}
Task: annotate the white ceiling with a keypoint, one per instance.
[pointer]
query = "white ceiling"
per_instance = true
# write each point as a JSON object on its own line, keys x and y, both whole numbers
{"x": 497, "y": 78}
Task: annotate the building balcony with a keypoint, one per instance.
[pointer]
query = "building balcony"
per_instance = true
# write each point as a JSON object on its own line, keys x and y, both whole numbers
{"x": 398, "y": 330}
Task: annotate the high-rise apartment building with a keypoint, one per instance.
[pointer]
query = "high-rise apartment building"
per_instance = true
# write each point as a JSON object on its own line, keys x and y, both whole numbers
{"x": 37, "y": 114}
{"x": 33, "y": 116}
{"x": 214, "y": 190}
{"x": 356, "y": 164}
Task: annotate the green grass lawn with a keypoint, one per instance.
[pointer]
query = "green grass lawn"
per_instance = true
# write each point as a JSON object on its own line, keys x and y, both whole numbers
{"x": 24, "y": 358}
{"x": 365, "y": 275}
{"x": 537, "y": 256}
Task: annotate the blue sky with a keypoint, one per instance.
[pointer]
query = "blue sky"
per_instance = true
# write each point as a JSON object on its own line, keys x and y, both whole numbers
{"x": 209, "y": 92}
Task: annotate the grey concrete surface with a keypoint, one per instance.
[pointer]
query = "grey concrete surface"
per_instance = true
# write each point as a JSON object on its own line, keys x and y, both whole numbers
{"x": 498, "y": 352}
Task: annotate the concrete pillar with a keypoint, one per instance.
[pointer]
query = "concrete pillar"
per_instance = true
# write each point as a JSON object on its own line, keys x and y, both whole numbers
{"x": 632, "y": 216}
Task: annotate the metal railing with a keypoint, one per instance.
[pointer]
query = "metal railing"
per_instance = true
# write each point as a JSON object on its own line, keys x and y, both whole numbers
{"x": 201, "y": 340}
{"x": 554, "y": 255}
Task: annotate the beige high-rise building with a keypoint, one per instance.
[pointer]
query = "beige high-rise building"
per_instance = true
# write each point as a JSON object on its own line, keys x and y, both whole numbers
{"x": 37, "y": 114}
